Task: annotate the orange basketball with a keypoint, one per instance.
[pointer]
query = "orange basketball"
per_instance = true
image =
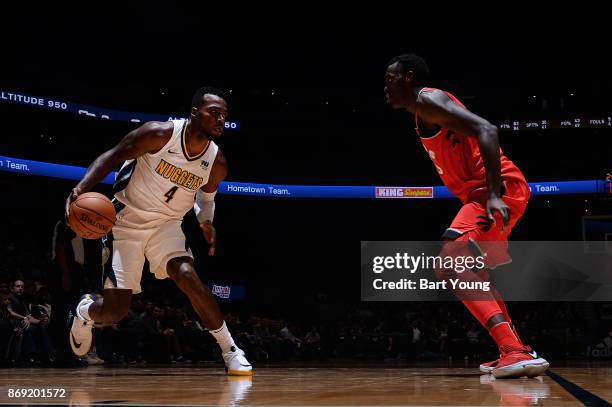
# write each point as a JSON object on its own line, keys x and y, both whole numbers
{"x": 92, "y": 215}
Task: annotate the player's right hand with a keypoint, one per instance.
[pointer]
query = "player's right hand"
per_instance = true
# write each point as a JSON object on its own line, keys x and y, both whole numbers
{"x": 496, "y": 204}
{"x": 73, "y": 195}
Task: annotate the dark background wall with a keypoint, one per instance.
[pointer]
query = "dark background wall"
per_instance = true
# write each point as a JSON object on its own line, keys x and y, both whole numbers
{"x": 309, "y": 99}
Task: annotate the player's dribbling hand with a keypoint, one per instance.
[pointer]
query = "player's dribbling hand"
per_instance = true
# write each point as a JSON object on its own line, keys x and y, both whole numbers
{"x": 210, "y": 234}
{"x": 73, "y": 195}
{"x": 497, "y": 204}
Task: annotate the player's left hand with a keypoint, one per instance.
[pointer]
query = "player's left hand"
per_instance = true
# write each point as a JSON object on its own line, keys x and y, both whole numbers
{"x": 210, "y": 234}
{"x": 497, "y": 204}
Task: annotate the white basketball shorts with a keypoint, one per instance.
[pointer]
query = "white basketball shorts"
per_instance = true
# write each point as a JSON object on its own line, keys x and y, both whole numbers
{"x": 136, "y": 237}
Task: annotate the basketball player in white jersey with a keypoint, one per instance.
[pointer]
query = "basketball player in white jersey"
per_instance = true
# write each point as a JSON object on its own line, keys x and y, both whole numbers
{"x": 169, "y": 167}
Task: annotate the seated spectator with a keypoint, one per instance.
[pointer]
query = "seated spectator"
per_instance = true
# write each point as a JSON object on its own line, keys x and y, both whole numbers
{"x": 76, "y": 267}
{"x": 6, "y": 327}
{"x": 290, "y": 344}
{"x": 160, "y": 341}
{"x": 313, "y": 337}
{"x": 312, "y": 343}
{"x": 443, "y": 341}
{"x": 473, "y": 342}
{"x": 22, "y": 341}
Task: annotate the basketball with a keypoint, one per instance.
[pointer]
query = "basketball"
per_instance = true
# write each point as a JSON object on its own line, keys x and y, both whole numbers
{"x": 92, "y": 215}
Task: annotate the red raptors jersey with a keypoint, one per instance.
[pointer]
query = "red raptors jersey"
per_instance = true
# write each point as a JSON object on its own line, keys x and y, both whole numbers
{"x": 458, "y": 161}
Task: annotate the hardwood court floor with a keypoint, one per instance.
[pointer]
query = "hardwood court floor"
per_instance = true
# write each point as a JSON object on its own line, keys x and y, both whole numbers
{"x": 456, "y": 386}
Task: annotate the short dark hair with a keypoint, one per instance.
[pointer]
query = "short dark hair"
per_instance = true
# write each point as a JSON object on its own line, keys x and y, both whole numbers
{"x": 198, "y": 96}
{"x": 414, "y": 63}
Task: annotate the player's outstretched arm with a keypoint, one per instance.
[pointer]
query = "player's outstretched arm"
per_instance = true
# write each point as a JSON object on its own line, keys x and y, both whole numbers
{"x": 438, "y": 108}
{"x": 204, "y": 206}
{"x": 148, "y": 138}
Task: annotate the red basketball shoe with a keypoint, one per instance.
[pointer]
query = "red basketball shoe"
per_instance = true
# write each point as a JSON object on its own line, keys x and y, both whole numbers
{"x": 518, "y": 362}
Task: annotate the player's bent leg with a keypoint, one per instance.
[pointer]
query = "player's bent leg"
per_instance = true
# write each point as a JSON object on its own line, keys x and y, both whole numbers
{"x": 471, "y": 283}
{"x": 113, "y": 307}
{"x": 181, "y": 270}
{"x": 516, "y": 359}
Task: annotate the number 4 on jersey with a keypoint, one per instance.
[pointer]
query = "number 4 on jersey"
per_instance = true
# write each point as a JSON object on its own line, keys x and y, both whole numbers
{"x": 170, "y": 194}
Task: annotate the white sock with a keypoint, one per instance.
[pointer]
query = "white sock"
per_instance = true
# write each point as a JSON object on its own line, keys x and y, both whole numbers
{"x": 84, "y": 310}
{"x": 223, "y": 337}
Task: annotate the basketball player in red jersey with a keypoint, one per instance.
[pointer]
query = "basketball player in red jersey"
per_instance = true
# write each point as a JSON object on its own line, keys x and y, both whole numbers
{"x": 465, "y": 151}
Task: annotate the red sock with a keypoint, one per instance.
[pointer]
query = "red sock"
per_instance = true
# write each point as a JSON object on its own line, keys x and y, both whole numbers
{"x": 504, "y": 337}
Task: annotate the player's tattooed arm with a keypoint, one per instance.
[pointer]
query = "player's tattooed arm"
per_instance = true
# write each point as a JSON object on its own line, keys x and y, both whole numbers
{"x": 437, "y": 108}
{"x": 148, "y": 138}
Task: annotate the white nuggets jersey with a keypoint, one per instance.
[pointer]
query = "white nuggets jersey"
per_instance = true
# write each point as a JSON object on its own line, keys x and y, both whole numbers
{"x": 163, "y": 185}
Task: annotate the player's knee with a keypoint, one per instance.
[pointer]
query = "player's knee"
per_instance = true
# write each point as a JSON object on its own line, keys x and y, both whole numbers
{"x": 444, "y": 273}
{"x": 452, "y": 254}
{"x": 441, "y": 272}
{"x": 182, "y": 273}
{"x": 187, "y": 276}
{"x": 116, "y": 312}
{"x": 119, "y": 313}
{"x": 115, "y": 305}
